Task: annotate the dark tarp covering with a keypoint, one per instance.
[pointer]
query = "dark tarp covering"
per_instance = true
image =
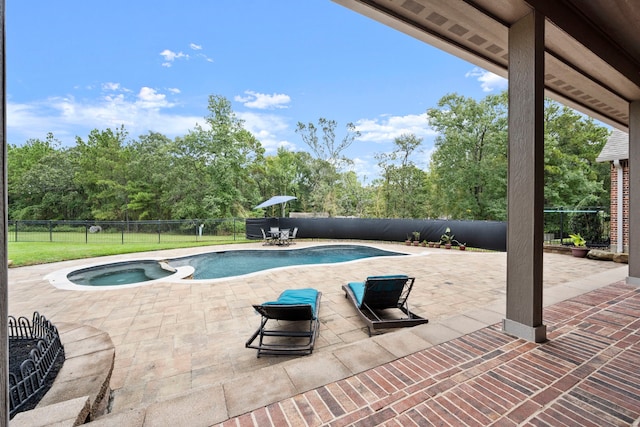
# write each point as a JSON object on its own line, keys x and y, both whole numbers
{"x": 478, "y": 234}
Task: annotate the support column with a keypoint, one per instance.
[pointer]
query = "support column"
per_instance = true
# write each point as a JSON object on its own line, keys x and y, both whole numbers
{"x": 4, "y": 287}
{"x": 634, "y": 193}
{"x": 525, "y": 180}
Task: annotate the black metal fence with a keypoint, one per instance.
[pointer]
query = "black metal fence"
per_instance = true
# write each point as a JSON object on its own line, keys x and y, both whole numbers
{"x": 195, "y": 230}
{"x": 592, "y": 223}
{"x": 34, "y": 369}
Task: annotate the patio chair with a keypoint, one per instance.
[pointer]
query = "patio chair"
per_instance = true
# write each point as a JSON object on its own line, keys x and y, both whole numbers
{"x": 296, "y": 314}
{"x": 266, "y": 240}
{"x": 284, "y": 237}
{"x": 381, "y": 301}
{"x": 292, "y": 238}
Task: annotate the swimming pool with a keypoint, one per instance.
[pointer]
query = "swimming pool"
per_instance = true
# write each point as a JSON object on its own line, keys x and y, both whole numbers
{"x": 215, "y": 265}
{"x": 210, "y": 265}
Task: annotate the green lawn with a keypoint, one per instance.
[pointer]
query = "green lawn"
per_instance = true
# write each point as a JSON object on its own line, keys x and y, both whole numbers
{"x": 30, "y": 253}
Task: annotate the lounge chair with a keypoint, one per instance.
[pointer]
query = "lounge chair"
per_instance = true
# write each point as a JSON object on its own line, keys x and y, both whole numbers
{"x": 296, "y": 314}
{"x": 381, "y": 301}
{"x": 266, "y": 240}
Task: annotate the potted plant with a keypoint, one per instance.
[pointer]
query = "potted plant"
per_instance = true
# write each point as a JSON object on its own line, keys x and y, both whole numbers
{"x": 447, "y": 238}
{"x": 416, "y": 238}
{"x": 462, "y": 246}
{"x": 424, "y": 243}
{"x": 579, "y": 249}
{"x": 408, "y": 241}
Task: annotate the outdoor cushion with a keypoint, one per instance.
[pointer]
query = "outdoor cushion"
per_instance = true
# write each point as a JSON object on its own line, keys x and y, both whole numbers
{"x": 297, "y": 297}
{"x": 358, "y": 287}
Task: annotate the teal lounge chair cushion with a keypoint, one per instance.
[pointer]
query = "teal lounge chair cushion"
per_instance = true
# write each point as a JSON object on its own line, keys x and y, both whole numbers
{"x": 297, "y": 297}
{"x": 358, "y": 287}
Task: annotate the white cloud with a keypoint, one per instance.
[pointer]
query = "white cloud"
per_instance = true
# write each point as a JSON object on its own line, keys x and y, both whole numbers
{"x": 263, "y": 101}
{"x": 488, "y": 80}
{"x": 170, "y": 56}
{"x": 174, "y": 90}
{"x": 205, "y": 57}
{"x": 266, "y": 128}
{"x": 149, "y": 98}
{"x": 387, "y": 128}
{"x": 110, "y": 86}
{"x": 68, "y": 117}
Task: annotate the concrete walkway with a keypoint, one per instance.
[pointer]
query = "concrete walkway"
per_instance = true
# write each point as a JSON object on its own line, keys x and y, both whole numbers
{"x": 177, "y": 341}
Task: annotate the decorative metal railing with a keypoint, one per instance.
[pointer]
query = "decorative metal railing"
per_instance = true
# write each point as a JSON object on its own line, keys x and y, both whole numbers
{"x": 33, "y": 370}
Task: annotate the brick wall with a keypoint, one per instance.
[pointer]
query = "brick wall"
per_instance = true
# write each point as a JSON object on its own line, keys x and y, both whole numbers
{"x": 625, "y": 206}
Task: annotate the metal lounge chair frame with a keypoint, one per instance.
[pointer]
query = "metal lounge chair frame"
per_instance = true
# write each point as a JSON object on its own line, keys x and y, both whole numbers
{"x": 382, "y": 293}
{"x": 284, "y": 345}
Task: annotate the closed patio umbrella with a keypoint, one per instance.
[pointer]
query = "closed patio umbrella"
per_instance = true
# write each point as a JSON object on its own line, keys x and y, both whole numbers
{"x": 275, "y": 200}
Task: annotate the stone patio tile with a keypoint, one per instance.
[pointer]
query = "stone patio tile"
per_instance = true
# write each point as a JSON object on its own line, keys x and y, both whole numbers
{"x": 435, "y": 333}
{"x": 257, "y": 389}
{"x": 488, "y": 317}
{"x": 401, "y": 342}
{"x": 67, "y": 413}
{"x": 362, "y": 355}
{"x": 462, "y": 324}
{"x": 204, "y": 408}
{"x": 130, "y": 418}
{"x": 310, "y": 372}
{"x": 559, "y": 293}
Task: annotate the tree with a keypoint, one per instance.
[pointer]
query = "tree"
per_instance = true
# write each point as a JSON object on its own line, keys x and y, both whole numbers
{"x": 212, "y": 166}
{"x": 48, "y": 191}
{"x": 327, "y": 149}
{"x": 286, "y": 173}
{"x": 402, "y": 183}
{"x": 150, "y": 172}
{"x": 329, "y": 159}
{"x": 573, "y": 178}
{"x": 469, "y": 164}
{"x": 103, "y": 172}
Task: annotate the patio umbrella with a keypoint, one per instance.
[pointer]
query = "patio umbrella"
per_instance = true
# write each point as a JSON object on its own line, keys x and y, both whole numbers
{"x": 276, "y": 200}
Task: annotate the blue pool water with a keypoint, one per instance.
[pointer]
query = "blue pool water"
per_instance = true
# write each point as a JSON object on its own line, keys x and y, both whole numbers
{"x": 119, "y": 273}
{"x": 216, "y": 265}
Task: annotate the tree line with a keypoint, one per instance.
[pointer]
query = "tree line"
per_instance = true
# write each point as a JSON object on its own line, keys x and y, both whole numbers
{"x": 220, "y": 170}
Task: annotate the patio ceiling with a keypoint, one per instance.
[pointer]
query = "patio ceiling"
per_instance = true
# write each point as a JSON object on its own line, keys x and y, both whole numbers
{"x": 592, "y": 47}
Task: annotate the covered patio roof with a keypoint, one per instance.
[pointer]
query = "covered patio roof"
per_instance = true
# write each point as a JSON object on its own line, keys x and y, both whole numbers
{"x": 592, "y": 54}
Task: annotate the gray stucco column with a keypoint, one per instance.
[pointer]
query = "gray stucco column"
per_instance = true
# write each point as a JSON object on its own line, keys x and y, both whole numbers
{"x": 4, "y": 287}
{"x": 634, "y": 193}
{"x": 525, "y": 180}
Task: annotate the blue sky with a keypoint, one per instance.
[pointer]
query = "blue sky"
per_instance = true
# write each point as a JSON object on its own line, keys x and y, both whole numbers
{"x": 78, "y": 65}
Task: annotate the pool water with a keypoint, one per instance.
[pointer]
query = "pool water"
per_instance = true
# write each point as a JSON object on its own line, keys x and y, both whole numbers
{"x": 120, "y": 273}
{"x": 216, "y": 265}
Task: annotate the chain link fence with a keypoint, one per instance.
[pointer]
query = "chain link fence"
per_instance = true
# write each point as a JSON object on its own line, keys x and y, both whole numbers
{"x": 197, "y": 230}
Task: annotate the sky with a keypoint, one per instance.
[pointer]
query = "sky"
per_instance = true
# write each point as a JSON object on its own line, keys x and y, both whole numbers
{"x": 78, "y": 65}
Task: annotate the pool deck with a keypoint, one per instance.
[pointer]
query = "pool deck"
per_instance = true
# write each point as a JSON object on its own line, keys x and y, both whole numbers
{"x": 180, "y": 355}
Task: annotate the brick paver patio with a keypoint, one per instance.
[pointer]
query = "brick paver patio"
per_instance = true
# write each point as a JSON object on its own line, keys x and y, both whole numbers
{"x": 588, "y": 374}
{"x": 180, "y": 356}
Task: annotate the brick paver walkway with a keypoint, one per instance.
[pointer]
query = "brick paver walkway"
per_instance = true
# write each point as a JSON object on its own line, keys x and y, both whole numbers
{"x": 587, "y": 374}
